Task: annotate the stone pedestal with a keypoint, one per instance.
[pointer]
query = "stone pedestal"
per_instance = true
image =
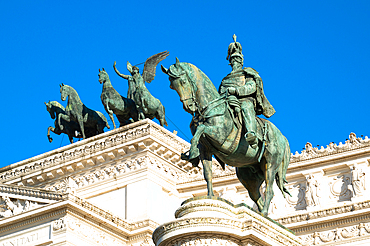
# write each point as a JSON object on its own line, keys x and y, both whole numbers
{"x": 216, "y": 221}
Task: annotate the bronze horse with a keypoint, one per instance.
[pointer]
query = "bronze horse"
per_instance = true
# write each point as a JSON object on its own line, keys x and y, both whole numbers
{"x": 216, "y": 133}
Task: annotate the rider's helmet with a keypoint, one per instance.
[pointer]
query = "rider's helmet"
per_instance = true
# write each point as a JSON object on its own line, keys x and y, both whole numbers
{"x": 235, "y": 49}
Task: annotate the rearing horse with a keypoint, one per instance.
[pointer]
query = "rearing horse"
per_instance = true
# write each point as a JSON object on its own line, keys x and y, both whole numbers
{"x": 215, "y": 132}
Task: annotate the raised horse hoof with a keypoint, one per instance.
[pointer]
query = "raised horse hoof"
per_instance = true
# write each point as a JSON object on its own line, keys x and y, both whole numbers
{"x": 194, "y": 162}
{"x": 50, "y": 140}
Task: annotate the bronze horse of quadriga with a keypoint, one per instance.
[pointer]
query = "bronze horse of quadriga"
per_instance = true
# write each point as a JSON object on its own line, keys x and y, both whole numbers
{"x": 124, "y": 108}
{"x": 71, "y": 128}
{"x": 87, "y": 119}
{"x": 215, "y": 133}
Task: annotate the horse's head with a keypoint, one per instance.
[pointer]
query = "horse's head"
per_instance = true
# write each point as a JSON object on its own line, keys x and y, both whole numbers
{"x": 49, "y": 109}
{"x": 64, "y": 91}
{"x": 182, "y": 84}
{"x": 103, "y": 76}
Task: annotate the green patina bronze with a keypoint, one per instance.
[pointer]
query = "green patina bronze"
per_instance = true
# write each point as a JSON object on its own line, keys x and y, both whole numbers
{"x": 147, "y": 105}
{"x": 225, "y": 126}
{"x": 91, "y": 122}
{"x": 124, "y": 108}
{"x": 72, "y": 129}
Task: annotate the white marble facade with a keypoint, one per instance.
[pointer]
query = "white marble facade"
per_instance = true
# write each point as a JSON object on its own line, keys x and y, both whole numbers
{"x": 117, "y": 187}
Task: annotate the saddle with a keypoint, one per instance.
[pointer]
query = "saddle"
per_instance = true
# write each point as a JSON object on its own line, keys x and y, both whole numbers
{"x": 232, "y": 141}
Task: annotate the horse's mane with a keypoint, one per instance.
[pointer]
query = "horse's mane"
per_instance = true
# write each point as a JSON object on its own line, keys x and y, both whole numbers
{"x": 197, "y": 74}
{"x": 57, "y": 104}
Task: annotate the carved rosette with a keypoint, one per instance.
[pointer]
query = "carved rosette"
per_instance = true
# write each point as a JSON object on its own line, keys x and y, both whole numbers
{"x": 216, "y": 221}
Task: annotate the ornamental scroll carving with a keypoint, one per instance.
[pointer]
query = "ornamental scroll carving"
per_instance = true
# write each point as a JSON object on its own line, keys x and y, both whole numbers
{"x": 310, "y": 152}
{"x": 206, "y": 240}
{"x": 337, "y": 235}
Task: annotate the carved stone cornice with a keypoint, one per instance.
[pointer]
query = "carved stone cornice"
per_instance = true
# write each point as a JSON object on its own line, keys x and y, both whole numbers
{"x": 352, "y": 144}
{"x": 344, "y": 209}
{"x": 30, "y": 192}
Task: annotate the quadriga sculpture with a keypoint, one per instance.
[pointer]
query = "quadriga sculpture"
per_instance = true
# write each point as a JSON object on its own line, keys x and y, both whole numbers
{"x": 217, "y": 132}
{"x": 87, "y": 119}
{"x": 71, "y": 128}
{"x": 114, "y": 103}
{"x": 147, "y": 105}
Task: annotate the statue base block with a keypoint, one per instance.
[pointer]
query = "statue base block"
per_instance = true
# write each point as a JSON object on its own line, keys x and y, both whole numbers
{"x": 216, "y": 221}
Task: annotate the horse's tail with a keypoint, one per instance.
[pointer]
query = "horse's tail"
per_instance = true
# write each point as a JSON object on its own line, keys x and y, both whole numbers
{"x": 280, "y": 176}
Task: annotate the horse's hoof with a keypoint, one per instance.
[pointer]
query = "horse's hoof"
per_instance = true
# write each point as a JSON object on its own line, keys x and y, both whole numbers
{"x": 194, "y": 153}
{"x": 50, "y": 140}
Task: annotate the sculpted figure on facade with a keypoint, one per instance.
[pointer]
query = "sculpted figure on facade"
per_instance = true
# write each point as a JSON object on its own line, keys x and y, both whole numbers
{"x": 312, "y": 191}
{"x": 147, "y": 105}
{"x": 353, "y": 140}
{"x": 358, "y": 181}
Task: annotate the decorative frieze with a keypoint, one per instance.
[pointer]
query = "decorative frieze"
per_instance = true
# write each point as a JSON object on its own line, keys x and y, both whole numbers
{"x": 338, "y": 235}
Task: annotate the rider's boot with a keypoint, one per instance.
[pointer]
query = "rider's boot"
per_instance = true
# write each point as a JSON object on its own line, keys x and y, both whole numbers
{"x": 250, "y": 124}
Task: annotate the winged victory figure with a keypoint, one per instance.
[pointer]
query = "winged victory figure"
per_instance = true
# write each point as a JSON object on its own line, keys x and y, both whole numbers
{"x": 147, "y": 105}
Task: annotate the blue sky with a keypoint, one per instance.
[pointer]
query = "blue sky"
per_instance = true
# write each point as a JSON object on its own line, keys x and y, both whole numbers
{"x": 313, "y": 57}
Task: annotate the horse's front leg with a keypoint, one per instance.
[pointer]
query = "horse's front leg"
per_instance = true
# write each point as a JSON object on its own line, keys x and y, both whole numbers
{"x": 110, "y": 112}
{"x": 206, "y": 158}
{"x": 50, "y": 128}
{"x": 194, "y": 150}
{"x": 64, "y": 117}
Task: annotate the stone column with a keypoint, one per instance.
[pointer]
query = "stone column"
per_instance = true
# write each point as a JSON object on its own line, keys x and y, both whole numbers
{"x": 216, "y": 221}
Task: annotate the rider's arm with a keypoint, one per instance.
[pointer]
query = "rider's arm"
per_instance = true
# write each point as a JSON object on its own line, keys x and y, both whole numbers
{"x": 247, "y": 89}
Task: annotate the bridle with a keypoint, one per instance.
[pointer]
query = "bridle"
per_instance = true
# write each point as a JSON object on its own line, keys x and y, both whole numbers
{"x": 204, "y": 112}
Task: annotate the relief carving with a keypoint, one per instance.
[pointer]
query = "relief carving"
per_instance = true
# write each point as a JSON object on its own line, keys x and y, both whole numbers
{"x": 339, "y": 187}
{"x": 358, "y": 181}
{"x": 312, "y": 191}
{"x": 12, "y": 206}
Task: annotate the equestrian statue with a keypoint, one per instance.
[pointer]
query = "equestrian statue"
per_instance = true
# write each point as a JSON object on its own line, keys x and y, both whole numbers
{"x": 225, "y": 126}
{"x": 91, "y": 122}
{"x": 124, "y": 108}
{"x": 147, "y": 105}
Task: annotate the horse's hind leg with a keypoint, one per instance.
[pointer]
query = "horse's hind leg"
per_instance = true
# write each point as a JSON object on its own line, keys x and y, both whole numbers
{"x": 81, "y": 123}
{"x": 270, "y": 168}
{"x": 206, "y": 158}
{"x": 252, "y": 181}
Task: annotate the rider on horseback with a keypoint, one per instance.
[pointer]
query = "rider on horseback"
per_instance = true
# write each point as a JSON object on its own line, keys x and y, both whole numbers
{"x": 246, "y": 85}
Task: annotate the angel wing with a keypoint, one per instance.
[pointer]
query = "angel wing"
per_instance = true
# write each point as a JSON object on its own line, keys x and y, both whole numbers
{"x": 151, "y": 65}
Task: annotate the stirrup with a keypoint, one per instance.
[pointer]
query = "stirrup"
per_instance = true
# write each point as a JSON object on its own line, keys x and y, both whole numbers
{"x": 251, "y": 139}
